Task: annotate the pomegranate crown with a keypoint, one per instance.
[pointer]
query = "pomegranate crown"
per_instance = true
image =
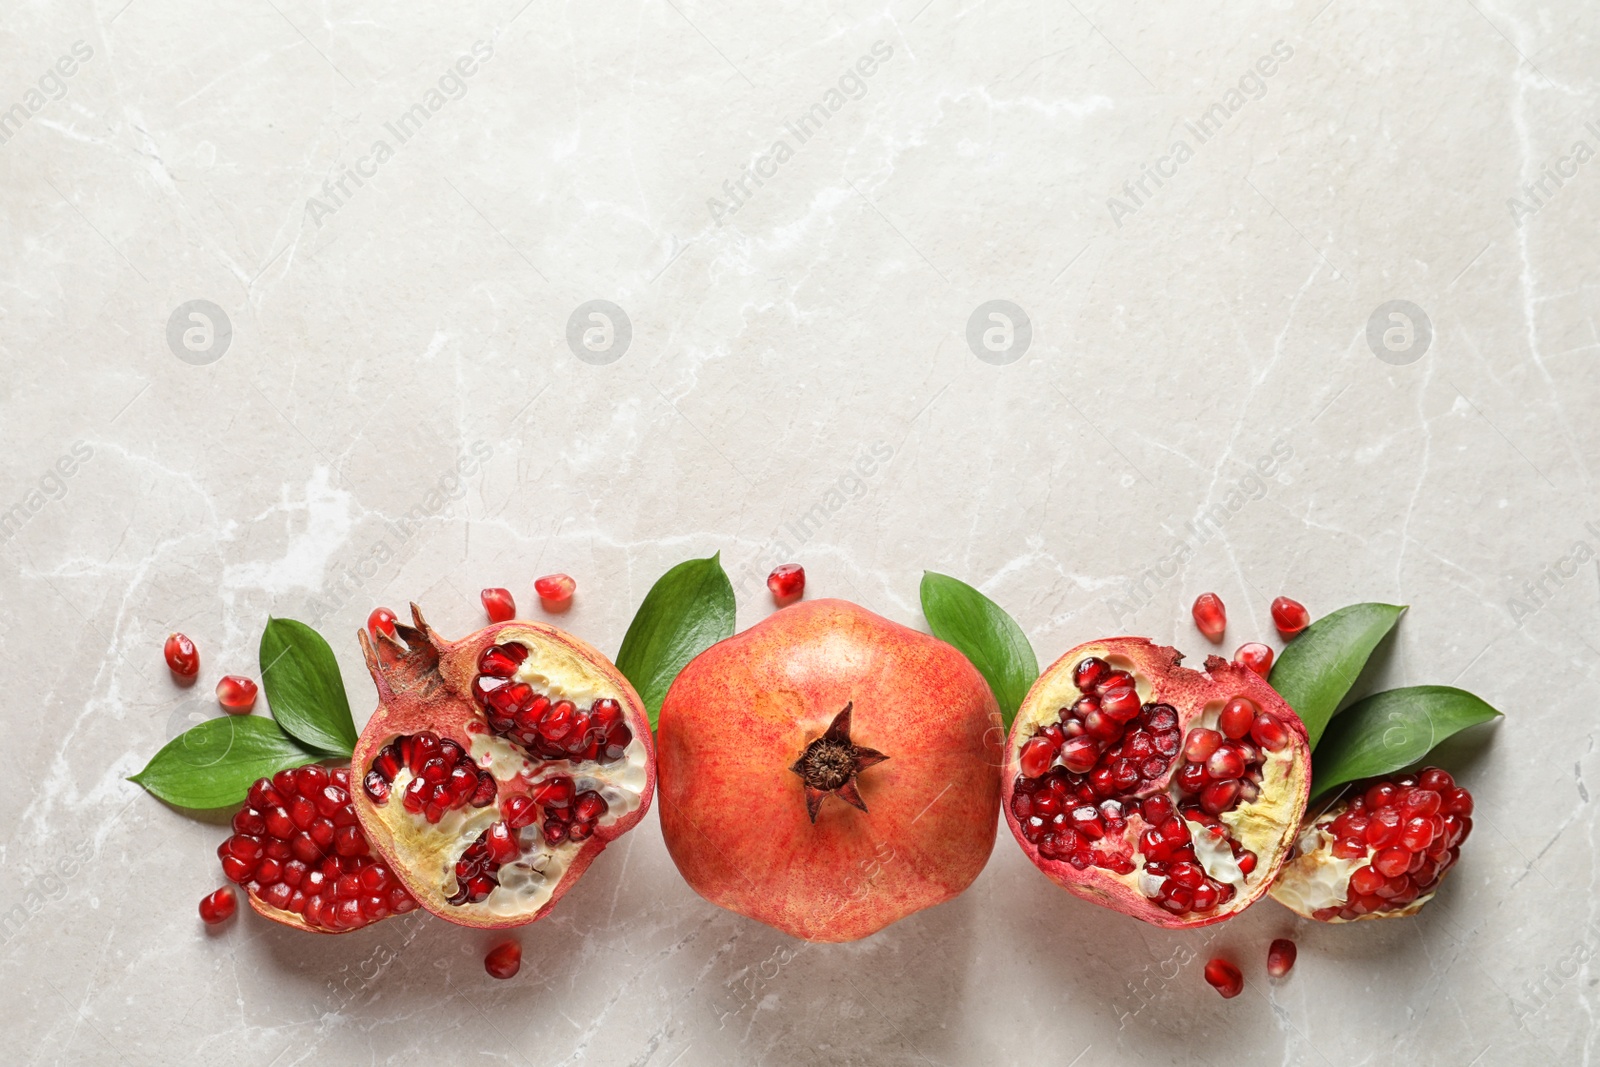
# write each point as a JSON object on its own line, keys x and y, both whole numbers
{"x": 407, "y": 661}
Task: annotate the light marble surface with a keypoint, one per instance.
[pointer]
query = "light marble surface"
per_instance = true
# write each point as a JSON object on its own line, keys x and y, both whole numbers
{"x": 382, "y": 331}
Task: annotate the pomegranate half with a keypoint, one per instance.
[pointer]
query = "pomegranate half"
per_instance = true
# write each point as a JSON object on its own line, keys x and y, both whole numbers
{"x": 828, "y": 772}
{"x": 1165, "y": 793}
{"x": 497, "y": 767}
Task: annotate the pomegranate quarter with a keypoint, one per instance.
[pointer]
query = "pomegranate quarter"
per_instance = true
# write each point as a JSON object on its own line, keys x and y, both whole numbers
{"x": 828, "y": 772}
{"x": 497, "y": 767}
{"x": 1168, "y": 794}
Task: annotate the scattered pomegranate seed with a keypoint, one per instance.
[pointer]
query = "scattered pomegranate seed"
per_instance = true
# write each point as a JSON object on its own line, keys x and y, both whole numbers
{"x": 218, "y": 907}
{"x": 1210, "y": 615}
{"x": 236, "y": 694}
{"x": 381, "y": 621}
{"x": 555, "y": 591}
{"x": 183, "y": 659}
{"x": 1280, "y": 957}
{"x": 788, "y": 583}
{"x": 1224, "y": 978}
{"x": 1289, "y": 616}
{"x": 504, "y": 960}
{"x": 499, "y": 605}
{"x": 1256, "y": 656}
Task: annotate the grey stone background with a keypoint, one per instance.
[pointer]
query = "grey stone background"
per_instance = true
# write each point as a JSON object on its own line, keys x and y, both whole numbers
{"x": 1176, "y": 336}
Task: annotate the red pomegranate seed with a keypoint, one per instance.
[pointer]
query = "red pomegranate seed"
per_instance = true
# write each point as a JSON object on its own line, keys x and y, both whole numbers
{"x": 218, "y": 907}
{"x": 1036, "y": 757}
{"x": 498, "y": 605}
{"x": 1236, "y": 718}
{"x": 504, "y": 960}
{"x": 1289, "y": 616}
{"x": 1089, "y": 673}
{"x": 236, "y": 694}
{"x": 1120, "y": 704}
{"x": 1224, "y": 977}
{"x": 1200, "y": 745}
{"x": 1210, "y": 615}
{"x": 1280, "y": 957}
{"x": 1224, "y": 764}
{"x": 1269, "y": 732}
{"x": 1256, "y": 656}
{"x": 555, "y": 594}
{"x": 381, "y": 621}
{"x": 787, "y": 583}
{"x": 183, "y": 659}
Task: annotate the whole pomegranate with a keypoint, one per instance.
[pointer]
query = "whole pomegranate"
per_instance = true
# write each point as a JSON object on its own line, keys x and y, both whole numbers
{"x": 1169, "y": 794}
{"x": 1379, "y": 851}
{"x": 302, "y": 858}
{"x": 829, "y": 772}
{"x": 497, "y": 767}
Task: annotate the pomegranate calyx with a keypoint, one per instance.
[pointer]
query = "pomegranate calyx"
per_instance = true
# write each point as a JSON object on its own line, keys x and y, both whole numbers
{"x": 406, "y": 660}
{"x": 829, "y": 765}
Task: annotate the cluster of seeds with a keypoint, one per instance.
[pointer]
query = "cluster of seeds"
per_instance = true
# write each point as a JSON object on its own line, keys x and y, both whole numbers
{"x": 569, "y": 815}
{"x": 1085, "y": 775}
{"x": 443, "y": 776}
{"x": 297, "y": 846}
{"x": 545, "y": 728}
{"x": 1410, "y": 831}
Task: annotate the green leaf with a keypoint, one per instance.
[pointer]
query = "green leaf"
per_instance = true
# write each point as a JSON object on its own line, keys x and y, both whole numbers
{"x": 213, "y": 764}
{"x": 689, "y": 609}
{"x": 1315, "y": 672}
{"x": 304, "y": 687}
{"x": 985, "y": 634}
{"x": 1390, "y": 730}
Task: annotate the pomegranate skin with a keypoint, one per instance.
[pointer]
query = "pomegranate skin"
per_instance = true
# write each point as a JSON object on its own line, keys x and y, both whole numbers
{"x": 1266, "y": 826}
{"x": 734, "y": 813}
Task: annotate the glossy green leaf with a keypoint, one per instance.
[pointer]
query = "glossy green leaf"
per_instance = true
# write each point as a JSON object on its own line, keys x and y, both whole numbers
{"x": 1315, "y": 672}
{"x": 304, "y": 687}
{"x": 689, "y": 609}
{"x": 1388, "y": 731}
{"x": 985, "y": 634}
{"x": 213, "y": 764}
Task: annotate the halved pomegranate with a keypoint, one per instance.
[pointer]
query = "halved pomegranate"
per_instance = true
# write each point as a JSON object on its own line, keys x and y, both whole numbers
{"x": 1169, "y": 794}
{"x": 1379, "y": 850}
{"x": 497, "y": 767}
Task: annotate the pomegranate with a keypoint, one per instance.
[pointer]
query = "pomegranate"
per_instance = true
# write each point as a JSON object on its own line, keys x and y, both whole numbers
{"x": 1256, "y": 656}
{"x": 555, "y": 591}
{"x": 498, "y": 605}
{"x": 1380, "y": 850}
{"x": 504, "y": 960}
{"x": 1210, "y": 616}
{"x": 497, "y": 767}
{"x": 183, "y": 659}
{"x": 218, "y": 907}
{"x": 381, "y": 621}
{"x": 787, "y": 584}
{"x": 1280, "y": 957}
{"x": 236, "y": 694}
{"x": 828, "y": 772}
{"x": 1289, "y": 616}
{"x": 1168, "y": 794}
{"x": 302, "y": 857}
{"x": 1224, "y": 977}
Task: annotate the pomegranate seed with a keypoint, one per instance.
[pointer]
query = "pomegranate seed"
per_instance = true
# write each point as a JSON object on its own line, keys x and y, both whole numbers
{"x": 1392, "y": 862}
{"x": 1269, "y": 732}
{"x": 1036, "y": 757}
{"x": 498, "y": 605}
{"x": 1255, "y": 656}
{"x": 1224, "y": 977}
{"x": 1280, "y": 957}
{"x": 1210, "y": 616}
{"x": 236, "y": 694}
{"x": 1289, "y": 616}
{"x": 183, "y": 659}
{"x": 504, "y": 960}
{"x": 1201, "y": 744}
{"x": 381, "y": 621}
{"x": 1080, "y": 754}
{"x": 1224, "y": 764}
{"x": 218, "y": 907}
{"x": 1120, "y": 704}
{"x": 1437, "y": 780}
{"x": 555, "y": 594}
{"x": 1089, "y": 673}
{"x": 787, "y": 583}
{"x": 1218, "y": 797}
{"x": 1236, "y": 718}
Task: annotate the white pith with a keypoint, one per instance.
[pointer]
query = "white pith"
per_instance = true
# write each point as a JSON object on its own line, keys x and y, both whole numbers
{"x": 527, "y": 882}
{"x": 1255, "y": 825}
